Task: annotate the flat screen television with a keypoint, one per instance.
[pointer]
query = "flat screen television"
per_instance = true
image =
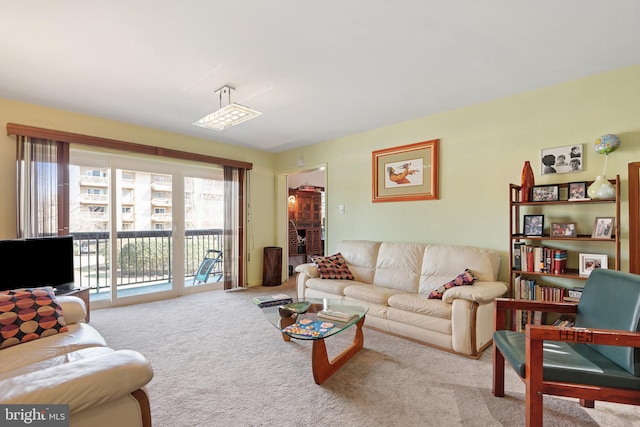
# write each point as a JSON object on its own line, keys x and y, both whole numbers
{"x": 30, "y": 263}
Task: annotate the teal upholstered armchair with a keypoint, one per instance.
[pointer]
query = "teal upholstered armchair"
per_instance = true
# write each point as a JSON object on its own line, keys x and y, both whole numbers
{"x": 597, "y": 359}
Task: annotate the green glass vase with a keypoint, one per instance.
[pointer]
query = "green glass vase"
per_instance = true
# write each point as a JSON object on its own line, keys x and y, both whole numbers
{"x": 601, "y": 188}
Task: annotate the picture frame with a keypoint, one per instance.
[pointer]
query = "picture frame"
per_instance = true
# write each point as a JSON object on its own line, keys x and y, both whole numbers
{"x": 545, "y": 193}
{"x": 563, "y": 229}
{"x": 577, "y": 190}
{"x": 561, "y": 159}
{"x": 589, "y": 262}
{"x": 405, "y": 173}
{"x": 533, "y": 225}
{"x": 603, "y": 227}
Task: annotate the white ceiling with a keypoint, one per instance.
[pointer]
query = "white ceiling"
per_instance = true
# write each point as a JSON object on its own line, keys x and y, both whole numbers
{"x": 316, "y": 71}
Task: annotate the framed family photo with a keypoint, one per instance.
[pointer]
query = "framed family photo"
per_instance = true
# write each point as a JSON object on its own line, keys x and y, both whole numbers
{"x": 533, "y": 225}
{"x": 577, "y": 190}
{"x": 563, "y": 229}
{"x": 545, "y": 193}
{"x": 589, "y": 262}
{"x": 406, "y": 173}
{"x": 603, "y": 228}
{"x": 561, "y": 159}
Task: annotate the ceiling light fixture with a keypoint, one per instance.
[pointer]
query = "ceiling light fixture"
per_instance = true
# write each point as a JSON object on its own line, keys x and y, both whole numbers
{"x": 231, "y": 115}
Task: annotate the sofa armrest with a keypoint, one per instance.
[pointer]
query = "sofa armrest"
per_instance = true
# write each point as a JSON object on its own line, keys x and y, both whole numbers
{"x": 310, "y": 269}
{"x": 305, "y": 272}
{"x": 481, "y": 292}
{"x": 82, "y": 384}
{"x": 73, "y": 309}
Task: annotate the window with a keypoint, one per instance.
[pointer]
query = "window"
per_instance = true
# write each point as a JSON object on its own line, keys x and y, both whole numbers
{"x": 159, "y": 226}
{"x": 95, "y": 172}
{"x": 97, "y": 191}
{"x": 100, "y": 209}
{"x": 129, "y": 175}
{"x": 127, "y": 209}
{"x": 159, "y": 210}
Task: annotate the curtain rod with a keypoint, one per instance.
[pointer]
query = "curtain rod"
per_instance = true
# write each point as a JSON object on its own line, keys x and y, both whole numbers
{"x": 95, "y": 141}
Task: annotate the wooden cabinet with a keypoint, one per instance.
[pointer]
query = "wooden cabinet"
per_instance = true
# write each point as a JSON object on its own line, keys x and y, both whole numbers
{"x": 305, "y": 222}
{"x": 583, "y": 213}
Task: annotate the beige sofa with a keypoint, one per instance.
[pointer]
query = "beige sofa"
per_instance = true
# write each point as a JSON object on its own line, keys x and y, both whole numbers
{"x": 103, "y": 387}
{"x": 395, "y": 279}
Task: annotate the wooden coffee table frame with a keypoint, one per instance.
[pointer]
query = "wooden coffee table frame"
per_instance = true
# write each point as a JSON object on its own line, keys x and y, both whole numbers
{"x": 321, "y": 366}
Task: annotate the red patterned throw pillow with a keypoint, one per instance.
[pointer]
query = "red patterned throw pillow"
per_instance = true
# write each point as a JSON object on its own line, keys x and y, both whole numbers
{"x": 466, "y": 278}
{"x": 332, "y": 267}
{"x": 29, "y": 314}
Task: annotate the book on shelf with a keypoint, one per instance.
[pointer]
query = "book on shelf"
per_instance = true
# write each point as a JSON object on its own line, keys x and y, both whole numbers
{"x": 271, "y": 300}
{"x": 517, "y": 255}
{"x": 576, "y": 292}
{"x": 336, "y": 315}
{"x": 564, "y": 322}
{"x": 528, "y": 289}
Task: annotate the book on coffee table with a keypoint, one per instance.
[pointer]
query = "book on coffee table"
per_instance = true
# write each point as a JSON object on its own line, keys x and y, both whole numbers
{"x": 336, "y": 315}
{"x": 271, "y": 300}
{"x": 309, "y": 328}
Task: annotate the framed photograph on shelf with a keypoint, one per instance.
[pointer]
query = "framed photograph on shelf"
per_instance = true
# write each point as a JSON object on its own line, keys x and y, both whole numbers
{"x": 561, "y": 159}
{"x": 589, "y": 262}
{"x": 545, "y": 193}
{"x": 563, "y": 229}
{"x": 533, "y": 225}
{"x": 577, "y": 190}
{"x": 406, "y": 173}
{"x": 603, "y": 228}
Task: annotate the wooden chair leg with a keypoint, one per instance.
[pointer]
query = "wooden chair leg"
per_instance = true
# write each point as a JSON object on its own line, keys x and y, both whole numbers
{"x": 533, "y": 384}
{"x": 498, "y": 372}
{"x": 587, "y": 403}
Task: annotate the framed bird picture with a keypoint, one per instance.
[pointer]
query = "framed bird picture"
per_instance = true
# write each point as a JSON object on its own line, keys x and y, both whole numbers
{"x": 406, "y": 173}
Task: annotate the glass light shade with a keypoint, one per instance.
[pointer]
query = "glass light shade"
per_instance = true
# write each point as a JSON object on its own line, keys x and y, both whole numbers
{"x": 231, "y": 115}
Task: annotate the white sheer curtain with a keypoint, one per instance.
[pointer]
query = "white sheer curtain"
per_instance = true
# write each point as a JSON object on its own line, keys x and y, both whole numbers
{"x": 42, "y": 190}
{"x": 233, "y": 230}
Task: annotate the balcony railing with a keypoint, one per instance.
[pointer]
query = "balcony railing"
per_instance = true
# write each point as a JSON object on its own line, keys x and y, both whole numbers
{"x": 142, "y": 256}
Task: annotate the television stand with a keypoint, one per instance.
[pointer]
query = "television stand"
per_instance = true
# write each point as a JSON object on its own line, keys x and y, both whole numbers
{"x": 83, "y": 294}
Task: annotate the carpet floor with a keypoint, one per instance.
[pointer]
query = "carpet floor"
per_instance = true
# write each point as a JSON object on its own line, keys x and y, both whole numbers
{"x": 219, "y": 362}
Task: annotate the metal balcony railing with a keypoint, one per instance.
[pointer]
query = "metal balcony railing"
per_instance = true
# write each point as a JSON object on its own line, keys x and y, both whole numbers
{"x": 142, "y": 256}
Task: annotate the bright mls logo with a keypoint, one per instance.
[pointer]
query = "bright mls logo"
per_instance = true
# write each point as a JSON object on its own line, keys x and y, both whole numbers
{"x": 34, "y": 415}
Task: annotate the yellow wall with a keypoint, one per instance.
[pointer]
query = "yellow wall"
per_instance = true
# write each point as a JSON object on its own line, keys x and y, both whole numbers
{"x": 262, "y": 176}
{"x": 482, "y": 150}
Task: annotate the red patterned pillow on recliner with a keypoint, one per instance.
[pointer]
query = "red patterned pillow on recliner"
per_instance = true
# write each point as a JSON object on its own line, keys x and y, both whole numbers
{"x": 465, "y": 278}
{"x": 332, "y": 267}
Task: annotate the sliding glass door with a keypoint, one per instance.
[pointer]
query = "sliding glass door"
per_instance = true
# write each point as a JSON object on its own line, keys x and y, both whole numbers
{"x": 143, "y": 229}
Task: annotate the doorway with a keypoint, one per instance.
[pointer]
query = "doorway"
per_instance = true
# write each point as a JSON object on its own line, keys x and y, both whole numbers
{"x": 305, "y": 216}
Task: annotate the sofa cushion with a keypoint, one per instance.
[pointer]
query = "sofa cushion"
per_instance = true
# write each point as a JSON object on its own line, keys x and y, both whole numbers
{"x": 335, "y": 287}
{"x": 332, "y": 267}
{"x": 398, "y": 266}
{"x": 29, "y": 314}
{"x": 421, "y": 304}
{"x": 442, "y": 262}
{"x": 370, "y": 293}
{"x": 462, "y": 279}
{"x": 361, "y": 257}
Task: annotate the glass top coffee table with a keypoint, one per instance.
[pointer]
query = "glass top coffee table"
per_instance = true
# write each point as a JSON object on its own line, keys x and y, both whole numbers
{"x": 299, "y": 320}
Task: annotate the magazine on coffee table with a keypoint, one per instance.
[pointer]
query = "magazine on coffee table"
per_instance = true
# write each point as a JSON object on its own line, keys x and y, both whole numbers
{"x": 309, "y": 328}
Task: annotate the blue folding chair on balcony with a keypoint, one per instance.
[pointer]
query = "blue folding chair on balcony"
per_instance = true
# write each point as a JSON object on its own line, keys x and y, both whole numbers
{"x": 211, "y": 264}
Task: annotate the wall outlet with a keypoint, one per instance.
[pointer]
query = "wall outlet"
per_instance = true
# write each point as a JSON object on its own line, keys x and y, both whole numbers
{"x": 341, "y": 209}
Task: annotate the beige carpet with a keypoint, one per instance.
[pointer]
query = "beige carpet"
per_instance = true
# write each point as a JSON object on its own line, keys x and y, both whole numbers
{"x": 218, "y": 362}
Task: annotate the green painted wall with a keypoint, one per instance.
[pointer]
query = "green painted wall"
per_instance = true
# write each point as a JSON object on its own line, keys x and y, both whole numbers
{"x": 482, "y": 150}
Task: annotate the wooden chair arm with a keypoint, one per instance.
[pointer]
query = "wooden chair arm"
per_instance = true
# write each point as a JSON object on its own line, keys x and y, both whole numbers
{"x": 583, "y": 335}
{"x": 502, "y": 305}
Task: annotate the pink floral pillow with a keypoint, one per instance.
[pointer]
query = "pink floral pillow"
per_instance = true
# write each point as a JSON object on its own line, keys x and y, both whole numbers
{"x": 333, "y": 267}
{"x": 466, "y": 278}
